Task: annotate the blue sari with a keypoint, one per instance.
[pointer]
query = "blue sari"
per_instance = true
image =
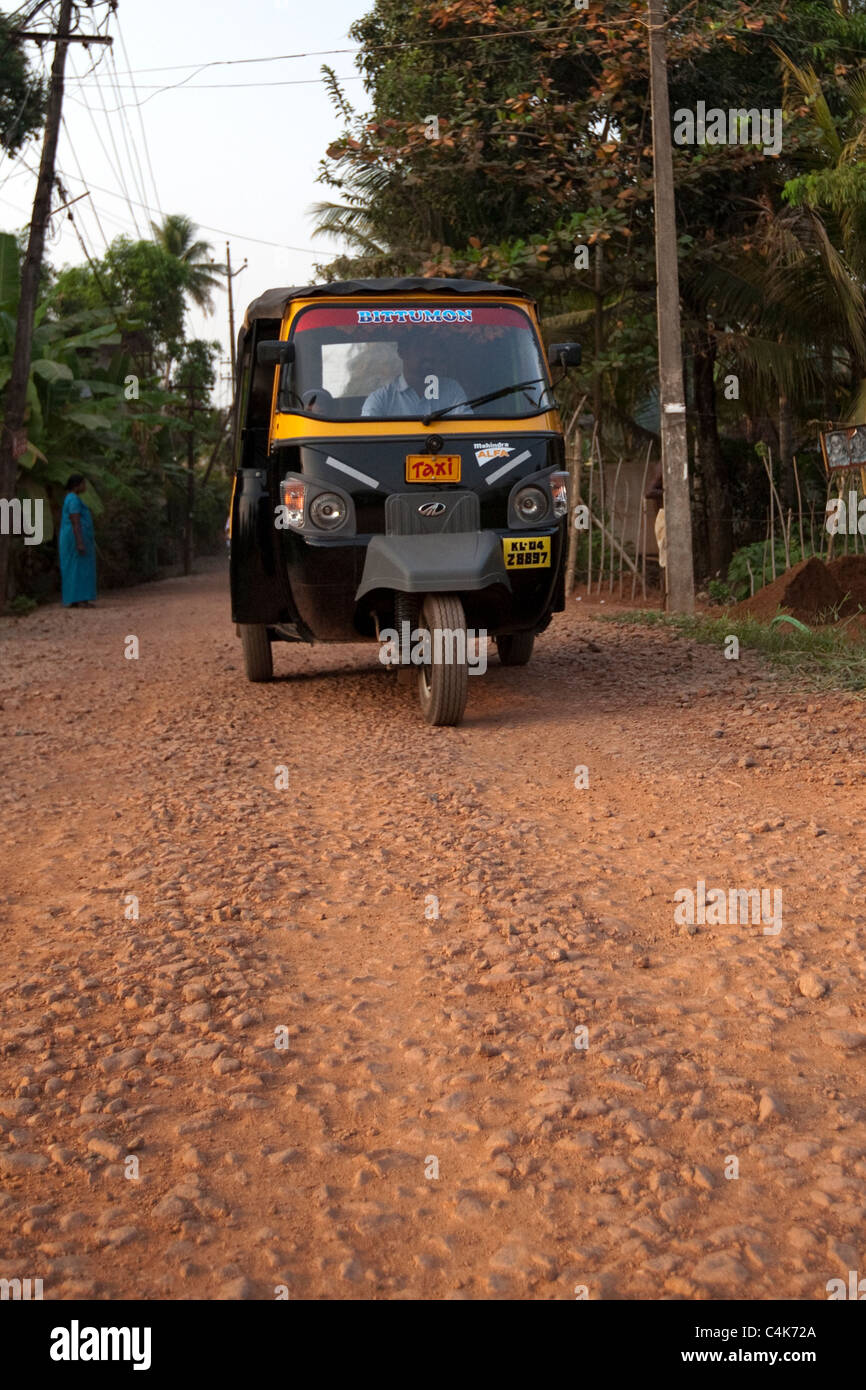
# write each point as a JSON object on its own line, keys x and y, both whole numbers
{"x": 77, "y": 572}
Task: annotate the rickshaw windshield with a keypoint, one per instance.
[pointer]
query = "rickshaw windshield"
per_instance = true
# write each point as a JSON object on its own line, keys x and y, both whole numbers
{"x": 390, "y": 361}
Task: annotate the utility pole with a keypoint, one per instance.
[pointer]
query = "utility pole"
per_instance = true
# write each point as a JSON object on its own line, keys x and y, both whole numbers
{"x": 675, "y": 453}
{"x": 190, "y": 485}
{"x": 13, "y": 440}
{"x": 230, "y": 274}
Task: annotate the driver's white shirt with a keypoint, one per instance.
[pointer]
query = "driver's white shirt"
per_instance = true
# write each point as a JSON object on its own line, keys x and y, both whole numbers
{"x": 399, "y": 398}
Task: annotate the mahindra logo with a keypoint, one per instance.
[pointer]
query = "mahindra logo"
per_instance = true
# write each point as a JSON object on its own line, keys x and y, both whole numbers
{"x": 432, "y": 508}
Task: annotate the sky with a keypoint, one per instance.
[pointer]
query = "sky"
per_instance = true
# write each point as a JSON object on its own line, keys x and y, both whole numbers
{"x": 235, "y": 146}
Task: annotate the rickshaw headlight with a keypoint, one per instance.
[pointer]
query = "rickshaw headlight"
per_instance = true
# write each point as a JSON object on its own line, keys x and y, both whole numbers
{"x": 530, "y": 504}
{"x": 328, "y": 511}
{"x": 559, "y": 489}
{"x": 294, "y": 497}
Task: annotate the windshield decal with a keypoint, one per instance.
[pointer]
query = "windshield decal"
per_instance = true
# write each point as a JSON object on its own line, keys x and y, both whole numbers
{"x": 414, "y": 315}
{"x": 507, "y": 467}
{"x": 484, "y": 453}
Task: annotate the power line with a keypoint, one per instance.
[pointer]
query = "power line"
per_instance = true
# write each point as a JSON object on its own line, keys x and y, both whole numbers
{"x": 78, "y": 232}
{"x": 119, "y": 170}
{"x": 83, "y": 180}
{"x": 155, "y": 88}
{"x": 128, "y": 137}
{"x": 140, "y": 119}
{"x": 110, "y": 217}
{"x": 221, "y": 231}
{"x": 118, "y": 176}
{"x": 12, "y": 172}
{"x": 373, "y": 48}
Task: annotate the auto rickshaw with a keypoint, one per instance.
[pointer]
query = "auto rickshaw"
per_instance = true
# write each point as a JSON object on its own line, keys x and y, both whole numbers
{"x": 399, "y": 472}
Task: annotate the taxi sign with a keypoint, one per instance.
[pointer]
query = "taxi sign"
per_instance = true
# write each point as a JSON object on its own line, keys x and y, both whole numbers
{"x": 432, "y": 468}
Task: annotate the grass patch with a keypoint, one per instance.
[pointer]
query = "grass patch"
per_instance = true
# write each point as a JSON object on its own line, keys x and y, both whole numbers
{"x": 824, "y": 658}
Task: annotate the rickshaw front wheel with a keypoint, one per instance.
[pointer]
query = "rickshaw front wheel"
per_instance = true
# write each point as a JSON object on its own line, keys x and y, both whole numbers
{"x": 444, "y": 684}
{"x": 515, "y": 648}
{"x": 258, "y": 657}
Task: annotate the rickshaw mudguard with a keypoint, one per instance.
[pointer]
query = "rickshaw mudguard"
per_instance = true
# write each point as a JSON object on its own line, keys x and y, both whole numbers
{"x": 441, "y": 563}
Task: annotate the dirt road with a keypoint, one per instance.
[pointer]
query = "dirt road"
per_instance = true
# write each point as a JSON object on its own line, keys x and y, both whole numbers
{"x": 290, "y": 1077}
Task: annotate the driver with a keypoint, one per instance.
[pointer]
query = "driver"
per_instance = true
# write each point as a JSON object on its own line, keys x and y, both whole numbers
{"x": 408, "y": 393}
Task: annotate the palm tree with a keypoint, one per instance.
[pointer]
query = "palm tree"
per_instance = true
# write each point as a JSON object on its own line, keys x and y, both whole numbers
{"x": 176, "y": 234}
{"x": 834, "y": 184}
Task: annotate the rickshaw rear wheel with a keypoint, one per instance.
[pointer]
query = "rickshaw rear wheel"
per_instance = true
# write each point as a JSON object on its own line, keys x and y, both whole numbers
{"x": 443, "y": 685}
{"x": 515, "y": 648}
{"x": 258, "y": 657}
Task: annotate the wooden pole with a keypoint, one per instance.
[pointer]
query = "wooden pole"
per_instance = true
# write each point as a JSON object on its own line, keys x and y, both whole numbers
{"x": 15, "y": 395}
{"x": 613, "y": 520}
{"x": 624, "y": 522}
{"x": 675, "y": 455}
{"x": 575, "y": 464}
{"x": 641, "y": 523}
{"x": 799, "y": 509}
{"x": 600, "y": 511}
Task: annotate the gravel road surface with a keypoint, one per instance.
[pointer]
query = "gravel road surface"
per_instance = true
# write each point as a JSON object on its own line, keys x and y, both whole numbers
{"x": 303, "y": 998}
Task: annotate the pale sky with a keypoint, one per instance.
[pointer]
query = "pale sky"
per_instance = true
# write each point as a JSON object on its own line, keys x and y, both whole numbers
{"x": 236, "y": 148}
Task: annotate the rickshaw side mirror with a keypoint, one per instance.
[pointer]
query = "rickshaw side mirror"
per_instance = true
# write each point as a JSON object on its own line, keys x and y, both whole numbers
{"x": 274, "y": 353}
{"x": 564, "y": 355}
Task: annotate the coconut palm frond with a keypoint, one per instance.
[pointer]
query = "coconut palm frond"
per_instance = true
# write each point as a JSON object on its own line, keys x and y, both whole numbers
{"x": 349, "y": 221}
{"x": 774, "y": 366}
{"x": 806, "y": 80}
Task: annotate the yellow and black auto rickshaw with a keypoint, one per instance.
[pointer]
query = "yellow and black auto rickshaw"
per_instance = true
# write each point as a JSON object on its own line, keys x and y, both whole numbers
{"x": 399, "y": 477}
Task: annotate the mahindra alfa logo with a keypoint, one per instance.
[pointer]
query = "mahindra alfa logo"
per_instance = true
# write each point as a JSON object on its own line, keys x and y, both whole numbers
{"x": 432, "y": 508}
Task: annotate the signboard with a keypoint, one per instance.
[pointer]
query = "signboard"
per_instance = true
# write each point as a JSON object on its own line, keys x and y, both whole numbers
{"x": 844, "y": 449}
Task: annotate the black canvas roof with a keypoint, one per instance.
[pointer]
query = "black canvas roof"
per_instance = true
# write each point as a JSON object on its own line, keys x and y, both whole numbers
{"x": 272, "y": 304}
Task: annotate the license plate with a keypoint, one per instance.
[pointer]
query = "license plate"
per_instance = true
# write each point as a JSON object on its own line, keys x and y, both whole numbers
{"x": 526, "y": 552}
{"x": 432, "y": 468}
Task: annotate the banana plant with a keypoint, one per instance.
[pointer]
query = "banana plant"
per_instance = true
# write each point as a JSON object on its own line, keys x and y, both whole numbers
{"x": 74, "y": 397}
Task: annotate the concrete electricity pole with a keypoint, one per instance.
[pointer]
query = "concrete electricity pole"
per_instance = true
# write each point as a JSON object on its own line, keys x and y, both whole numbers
{"x": 675, "y": 453}
{"x": 12, "y": 435}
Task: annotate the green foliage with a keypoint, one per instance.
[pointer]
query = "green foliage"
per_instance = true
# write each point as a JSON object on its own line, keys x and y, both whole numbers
{"x": 147, "y": 283}
{"x": 544, "y": 144}
{"x": 116, "y": 393}
{"x": 826, "y": 659}
{"x": 757, "y": 557}
{"x": 22, "y": 93}
{"x": 176, "y": 235}
{"x": 719, "y": 592}
{"x": 21, "y": 606}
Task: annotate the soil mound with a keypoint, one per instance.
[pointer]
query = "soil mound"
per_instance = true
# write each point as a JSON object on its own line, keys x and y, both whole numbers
{"x": 849, "y": 572}
{"x": 806, "y": 591}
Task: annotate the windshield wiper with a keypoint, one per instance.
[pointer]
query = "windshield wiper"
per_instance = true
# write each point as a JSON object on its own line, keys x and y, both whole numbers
{"x": 482, "y": 400}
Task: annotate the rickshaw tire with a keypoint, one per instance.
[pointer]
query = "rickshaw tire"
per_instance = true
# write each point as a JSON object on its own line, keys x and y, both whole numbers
{"x": 258, "y": 656}
{"x": 444, "y": 700}
{"x": 515, "y": 648}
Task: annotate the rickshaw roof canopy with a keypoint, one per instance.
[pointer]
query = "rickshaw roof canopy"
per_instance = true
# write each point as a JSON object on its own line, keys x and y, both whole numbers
{"x": 273, "y": 303}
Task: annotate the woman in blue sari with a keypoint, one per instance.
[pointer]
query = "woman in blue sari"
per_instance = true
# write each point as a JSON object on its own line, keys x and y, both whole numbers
{"x": 77, "y": 548}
